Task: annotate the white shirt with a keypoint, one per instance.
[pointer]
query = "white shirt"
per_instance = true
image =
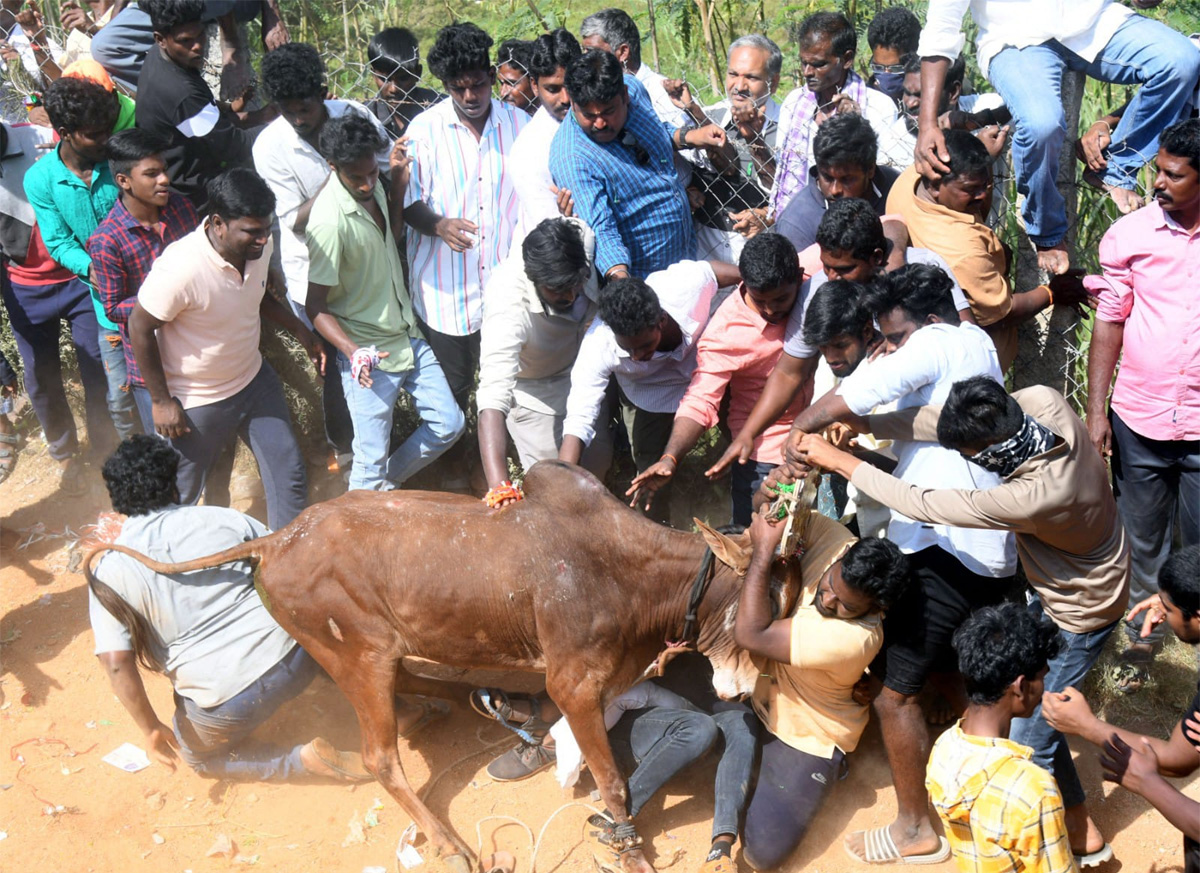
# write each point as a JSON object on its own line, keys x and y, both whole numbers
{"x": 878, "y": 109}
{"x": 1082, "y": 26}
{"x": 526, "y": 350}
{"x": 296, "y": 171}
{"x": 458, "y": 176}
{"x": 685, "y": 291}
{"x": 529, "y": 164}
{"x": 920, "y": 373}
{"x": 666, "y": 111}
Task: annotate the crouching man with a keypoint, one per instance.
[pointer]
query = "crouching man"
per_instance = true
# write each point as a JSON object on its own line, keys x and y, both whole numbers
{"x": 230, "y": 664}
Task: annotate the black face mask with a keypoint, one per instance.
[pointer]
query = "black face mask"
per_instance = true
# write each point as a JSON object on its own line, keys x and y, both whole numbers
{"x": 891, "y": 84}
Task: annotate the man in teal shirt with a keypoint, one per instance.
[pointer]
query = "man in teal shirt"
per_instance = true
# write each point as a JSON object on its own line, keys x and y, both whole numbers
{"x": 71, "y": 191}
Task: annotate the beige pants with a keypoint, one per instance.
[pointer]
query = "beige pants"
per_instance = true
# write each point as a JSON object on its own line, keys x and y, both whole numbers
{"x": 537, "y": 436}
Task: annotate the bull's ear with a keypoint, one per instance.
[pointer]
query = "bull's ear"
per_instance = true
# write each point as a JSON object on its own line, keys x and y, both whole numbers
{"x": 734, "y": 552}
{"x": 785, "y": 588}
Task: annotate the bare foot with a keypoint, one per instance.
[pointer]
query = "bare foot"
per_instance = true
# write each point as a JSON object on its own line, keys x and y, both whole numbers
{"x": 1084, "y": 835}
{"x": 1054, "y": 259}
{"x": 922, "y": 841}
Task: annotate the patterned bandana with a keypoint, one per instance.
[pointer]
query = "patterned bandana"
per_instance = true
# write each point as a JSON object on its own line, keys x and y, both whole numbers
{"x": 1003, "y": 458}
{"x": 792, "y": 156}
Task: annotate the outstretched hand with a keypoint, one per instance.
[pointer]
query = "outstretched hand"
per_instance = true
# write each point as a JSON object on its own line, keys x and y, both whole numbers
{"x": 1132, "y": 767}
{"x": 650, "y": 480}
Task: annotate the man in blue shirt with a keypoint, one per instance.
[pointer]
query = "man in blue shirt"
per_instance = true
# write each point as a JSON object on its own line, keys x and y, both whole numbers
{"x": 616, "y": 158}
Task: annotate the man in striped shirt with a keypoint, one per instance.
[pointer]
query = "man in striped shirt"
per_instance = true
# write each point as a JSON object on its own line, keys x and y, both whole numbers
{"x": 460, "y": 200}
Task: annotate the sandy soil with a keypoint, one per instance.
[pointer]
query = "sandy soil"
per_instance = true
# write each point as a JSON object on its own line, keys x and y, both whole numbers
{"x": 63, "y": 809}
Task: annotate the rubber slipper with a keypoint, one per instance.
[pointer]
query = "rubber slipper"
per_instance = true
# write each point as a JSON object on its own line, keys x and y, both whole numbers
{"x": 432, "y": 710}
{"x": 1096, "y": 858}
{"x": 880, "y": 848}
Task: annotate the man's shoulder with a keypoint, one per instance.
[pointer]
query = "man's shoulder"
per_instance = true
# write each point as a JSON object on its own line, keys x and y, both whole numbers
{"x": 428, "y": 120}
{"x": 1147, "y": 219}
{"x": 214, "y": 527}
{"x": 275, "y": 136}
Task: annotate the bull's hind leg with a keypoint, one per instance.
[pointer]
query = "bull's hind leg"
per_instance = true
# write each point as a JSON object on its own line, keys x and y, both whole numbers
{"x": 369, "y": 683}
{"x": 582, "y": 704}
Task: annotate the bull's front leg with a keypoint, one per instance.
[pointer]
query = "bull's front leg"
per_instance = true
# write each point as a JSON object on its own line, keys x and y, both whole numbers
{"x": 582, "y": 705}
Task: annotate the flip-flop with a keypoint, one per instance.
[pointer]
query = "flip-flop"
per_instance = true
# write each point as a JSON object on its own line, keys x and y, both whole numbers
{"x": 432, "y": 710}
{"x": 347, "y": 766}
{"x": 880, "y": 848}
{"x": 1094, "y": 859}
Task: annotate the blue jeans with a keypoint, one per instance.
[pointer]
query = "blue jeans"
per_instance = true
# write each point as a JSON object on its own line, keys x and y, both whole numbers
{"x": 744, "y": 482}
{"x": 663, "y": 740}
{"x": 35, "y": 313}
{"x": 211, "y": 740}
{"x": 371, "y": 409}
{"x": 1141, "y": 52}
{"x": 1157, "y": 486}
{"x": 1076, "y": 655}
{"x": 121, "y": 408}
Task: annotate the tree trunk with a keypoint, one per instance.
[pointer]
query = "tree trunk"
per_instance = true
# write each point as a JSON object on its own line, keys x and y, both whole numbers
{"x": 706, "y": 16}
{"x": 653, "y": 36}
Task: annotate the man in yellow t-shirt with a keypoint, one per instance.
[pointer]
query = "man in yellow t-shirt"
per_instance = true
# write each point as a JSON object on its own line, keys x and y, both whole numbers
{"x": 810, "y": 662}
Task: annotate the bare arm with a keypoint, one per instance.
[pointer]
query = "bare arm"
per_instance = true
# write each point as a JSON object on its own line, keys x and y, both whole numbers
{"x": 1136, "y": 767}
{"x": 1107, "y": 339}
{"x": 785, "y": 381}
{"x": 930, "y": 155}
{"x": 169, "y": 418}
{"x": 727, "y": 274}
{"x": 271, "y": 309}
{"x": 754, "y": 629}
{"x": 684, "y": 434}
{"x": 122, "y": 671}
{"x": 493, "y": 442}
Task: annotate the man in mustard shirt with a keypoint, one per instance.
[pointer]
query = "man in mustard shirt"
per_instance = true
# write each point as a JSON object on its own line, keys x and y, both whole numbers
{"x": 810, "y": 662}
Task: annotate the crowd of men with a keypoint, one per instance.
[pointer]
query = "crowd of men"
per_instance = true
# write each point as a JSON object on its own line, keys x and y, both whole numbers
{"x": 592, "y": 264}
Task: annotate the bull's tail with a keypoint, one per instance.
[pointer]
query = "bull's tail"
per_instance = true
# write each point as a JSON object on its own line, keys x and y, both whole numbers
{"x": 140, "y": 631}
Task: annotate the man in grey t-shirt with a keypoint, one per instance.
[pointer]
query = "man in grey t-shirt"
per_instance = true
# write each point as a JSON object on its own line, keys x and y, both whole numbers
{"x": 230, "y": 664}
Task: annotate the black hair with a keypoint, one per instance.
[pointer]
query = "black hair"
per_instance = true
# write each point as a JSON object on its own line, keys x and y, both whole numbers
{"x": 955, "y": 73}
{"x": 515, "y": 53}
{"x": 835, "y": 310}
{"x": 997, "y": 644}
{"x": 978, "y": 413}
{"x": 1182, "y": 139}
{"x": 968, "y": 156}
{"x": 553, "y": 50}
{"x": 166, "y": 15}
{"x": 350, "y": 138}
{"x": 394, "y": 49}
{"x": 876, "y": 567}
{"x": 769, "y": 260}
{"x": 832, "y": 25}
{"x": 595, "y": 77}
{"x": 920, "y": 290}
{"x": 1179, "y": 579}
{"x": 629, "y": 306}
{"x": 616, "y": 28}
{"x": 846, "y": 139}
{"x": 554, "y": 255}
{"x": 895, "y": 27}
{"x": 294, "y": 71}
{"x": 127, "y": 148}
{"x": 80, "y": 104}
{"x": 240, "y": 193}
{"x": 851, "y": 225}
{"x": 459, "y": 49}
{"x": 140, "y": 475}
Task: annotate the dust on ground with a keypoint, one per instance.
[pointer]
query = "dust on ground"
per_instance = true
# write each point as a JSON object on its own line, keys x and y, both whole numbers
{"x": 64, "y": 809}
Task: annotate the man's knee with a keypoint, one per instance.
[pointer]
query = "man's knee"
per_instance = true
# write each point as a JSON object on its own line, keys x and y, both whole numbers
{"x": 696, "y": 731}
{"x": 1041, "y": 123}
{"x": 767, "y": 851}
{"x": 1175, "y": 61}
{"x": 449, "y": 427}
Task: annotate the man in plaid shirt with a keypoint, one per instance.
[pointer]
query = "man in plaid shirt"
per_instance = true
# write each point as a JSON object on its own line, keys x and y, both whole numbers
{"x": 146, "y": 218}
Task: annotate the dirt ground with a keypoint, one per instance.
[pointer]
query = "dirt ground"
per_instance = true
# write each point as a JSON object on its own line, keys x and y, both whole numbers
{"x": 63, "y": 809}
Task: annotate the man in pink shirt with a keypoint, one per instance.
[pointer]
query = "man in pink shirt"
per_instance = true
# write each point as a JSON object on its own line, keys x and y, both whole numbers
{"x": 738, "y": 351}
{"x": 1148, "y": 316}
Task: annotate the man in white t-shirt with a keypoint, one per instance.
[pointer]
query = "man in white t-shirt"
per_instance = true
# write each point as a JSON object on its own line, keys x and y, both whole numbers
{"x": 529, "y": 160}
{"x": 645, "y": 334}
{"x": 956, "y": 570}
{"x": 230, "y": 664}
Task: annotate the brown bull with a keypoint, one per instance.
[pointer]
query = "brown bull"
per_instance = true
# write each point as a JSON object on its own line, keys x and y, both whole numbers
{"x": 569, "y": 582}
